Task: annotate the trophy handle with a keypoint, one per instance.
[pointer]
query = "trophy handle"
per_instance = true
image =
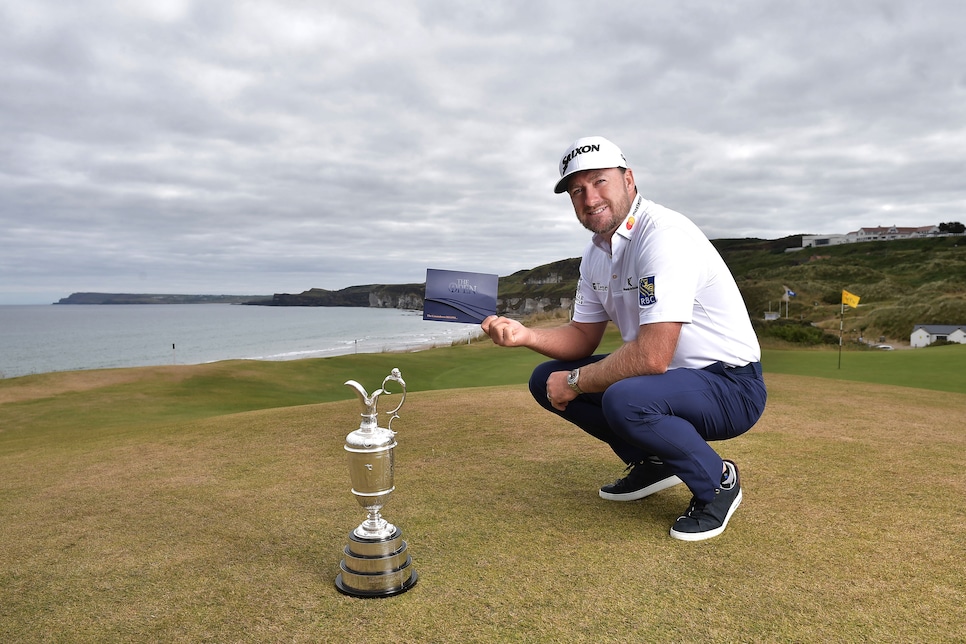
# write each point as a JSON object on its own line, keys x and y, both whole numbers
{"x": 396, "y": 376}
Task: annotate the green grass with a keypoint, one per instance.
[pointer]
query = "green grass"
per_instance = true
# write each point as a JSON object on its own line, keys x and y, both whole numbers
{"x": 159, "y": 395}
{"x": 937, "y": 368}
{"x": 212, "y": 503}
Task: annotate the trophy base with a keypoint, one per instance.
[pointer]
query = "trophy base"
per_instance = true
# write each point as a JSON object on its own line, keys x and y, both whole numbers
{"x": 376, "y": 567}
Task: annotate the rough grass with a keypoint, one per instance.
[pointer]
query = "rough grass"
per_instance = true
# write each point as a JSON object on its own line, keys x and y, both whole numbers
{"x": 124, "y": 517}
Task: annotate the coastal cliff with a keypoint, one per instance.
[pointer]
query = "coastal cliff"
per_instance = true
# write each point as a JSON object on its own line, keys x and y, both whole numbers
{"x": 380, "y": 296}
{"x": 902, "y": 283}
{"x": 540, "y": 290}
{"x": 159, "y": 298}
{"x": 528, "y": 292}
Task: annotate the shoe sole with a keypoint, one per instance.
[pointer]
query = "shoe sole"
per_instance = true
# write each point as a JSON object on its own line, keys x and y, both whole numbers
{"x": 701, "y": 536}
{"x": 663, "y": 484}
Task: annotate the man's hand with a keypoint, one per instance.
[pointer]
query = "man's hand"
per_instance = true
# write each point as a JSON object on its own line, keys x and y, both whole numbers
{"x": 559, "y": 392}
{"x": 570, "y": 341}
{"x": 506, "y": 332}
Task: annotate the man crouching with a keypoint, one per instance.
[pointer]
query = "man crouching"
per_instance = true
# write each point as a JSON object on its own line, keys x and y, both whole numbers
{"x": 689, "y": 369}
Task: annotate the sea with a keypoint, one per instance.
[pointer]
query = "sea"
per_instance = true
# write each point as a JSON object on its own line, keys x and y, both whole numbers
{"x": 43, "y": 339}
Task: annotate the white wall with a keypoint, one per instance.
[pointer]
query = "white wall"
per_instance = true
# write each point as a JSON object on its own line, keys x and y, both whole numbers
{"x": 919, "y": 338}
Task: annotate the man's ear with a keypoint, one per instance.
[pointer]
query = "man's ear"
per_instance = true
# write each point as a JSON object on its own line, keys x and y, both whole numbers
{"x": 629, "y": 182}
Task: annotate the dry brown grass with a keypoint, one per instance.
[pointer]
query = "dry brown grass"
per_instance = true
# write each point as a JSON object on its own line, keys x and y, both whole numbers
{"x": 231, "y": 528}
{"x": 57, "y": 383}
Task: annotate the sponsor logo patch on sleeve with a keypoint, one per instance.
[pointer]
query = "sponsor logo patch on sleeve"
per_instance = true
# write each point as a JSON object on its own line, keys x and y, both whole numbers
{"x": 645, "y": 289}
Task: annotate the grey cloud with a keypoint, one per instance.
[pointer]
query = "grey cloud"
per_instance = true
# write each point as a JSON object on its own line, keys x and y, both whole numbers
{"x": 263, "y": 147}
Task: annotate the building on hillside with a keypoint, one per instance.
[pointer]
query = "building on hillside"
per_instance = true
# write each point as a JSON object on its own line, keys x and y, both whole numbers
{"x": 925, "y": 334}
{"x": 814, "y": 241}
{"x": 888, "y": 233}
{"x": 875, "y": 233}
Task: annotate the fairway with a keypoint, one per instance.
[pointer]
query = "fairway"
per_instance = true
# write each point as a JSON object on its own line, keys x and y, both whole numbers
{"x": 939, "y": 368}
{"x": 151, "y": 505}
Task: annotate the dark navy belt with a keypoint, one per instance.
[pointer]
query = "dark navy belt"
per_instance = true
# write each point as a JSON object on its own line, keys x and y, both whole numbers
{"x": 750, "y": 369}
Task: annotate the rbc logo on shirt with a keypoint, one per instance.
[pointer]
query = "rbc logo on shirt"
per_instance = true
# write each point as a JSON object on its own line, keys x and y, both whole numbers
{"x": 645, "y": 290}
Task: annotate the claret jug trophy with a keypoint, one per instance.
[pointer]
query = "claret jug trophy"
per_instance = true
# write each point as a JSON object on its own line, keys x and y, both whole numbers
{"x": 376, "y": 562}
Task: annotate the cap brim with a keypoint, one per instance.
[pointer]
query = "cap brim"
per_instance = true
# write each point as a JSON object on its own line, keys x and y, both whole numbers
{"x": 561, "y": 186}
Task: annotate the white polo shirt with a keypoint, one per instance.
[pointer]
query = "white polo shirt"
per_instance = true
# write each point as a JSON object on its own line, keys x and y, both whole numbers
{"x": 662, "y": 268}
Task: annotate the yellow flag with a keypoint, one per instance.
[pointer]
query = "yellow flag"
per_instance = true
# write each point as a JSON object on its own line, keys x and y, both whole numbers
{"x": 851, "y": 300}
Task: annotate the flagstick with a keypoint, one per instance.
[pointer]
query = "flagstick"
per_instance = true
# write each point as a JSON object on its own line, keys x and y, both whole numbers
{"x": 841, "y": 324}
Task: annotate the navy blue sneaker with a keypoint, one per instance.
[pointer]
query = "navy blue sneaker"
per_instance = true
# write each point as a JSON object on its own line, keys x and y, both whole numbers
{"x": 641, "y": 479}
{"x": 706, "y": 520}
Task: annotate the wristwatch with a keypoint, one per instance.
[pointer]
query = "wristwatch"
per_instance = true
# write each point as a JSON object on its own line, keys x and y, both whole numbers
{"x": 572, "y": 380}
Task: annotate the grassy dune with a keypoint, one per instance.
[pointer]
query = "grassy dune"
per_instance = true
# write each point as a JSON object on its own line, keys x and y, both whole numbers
{"x": 212, "y": 503}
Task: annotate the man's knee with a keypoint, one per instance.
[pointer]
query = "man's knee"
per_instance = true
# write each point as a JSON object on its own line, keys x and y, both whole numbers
{"x": 538, "y": 380}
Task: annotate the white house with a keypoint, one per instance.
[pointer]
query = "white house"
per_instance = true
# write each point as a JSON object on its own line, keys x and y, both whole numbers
{"x": 925, "y": 334}
{"x": 872, "y": 233}
{"x": 888, "y": 233}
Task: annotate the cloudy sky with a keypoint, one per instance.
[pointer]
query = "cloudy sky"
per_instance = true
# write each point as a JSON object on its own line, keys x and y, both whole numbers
{"x": 255, "y": 147}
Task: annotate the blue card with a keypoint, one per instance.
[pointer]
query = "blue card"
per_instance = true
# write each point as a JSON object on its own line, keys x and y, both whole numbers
{"x": 457, "y": 296}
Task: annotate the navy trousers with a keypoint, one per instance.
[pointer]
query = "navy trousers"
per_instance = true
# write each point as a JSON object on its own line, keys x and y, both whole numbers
{"x": 671, "y": 416}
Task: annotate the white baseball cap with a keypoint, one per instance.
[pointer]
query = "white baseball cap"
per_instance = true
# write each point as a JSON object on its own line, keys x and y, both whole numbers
{"x": 588, "y": 153}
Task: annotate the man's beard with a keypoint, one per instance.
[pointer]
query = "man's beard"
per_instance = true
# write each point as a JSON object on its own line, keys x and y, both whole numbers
{"x": 618, "y": 211}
